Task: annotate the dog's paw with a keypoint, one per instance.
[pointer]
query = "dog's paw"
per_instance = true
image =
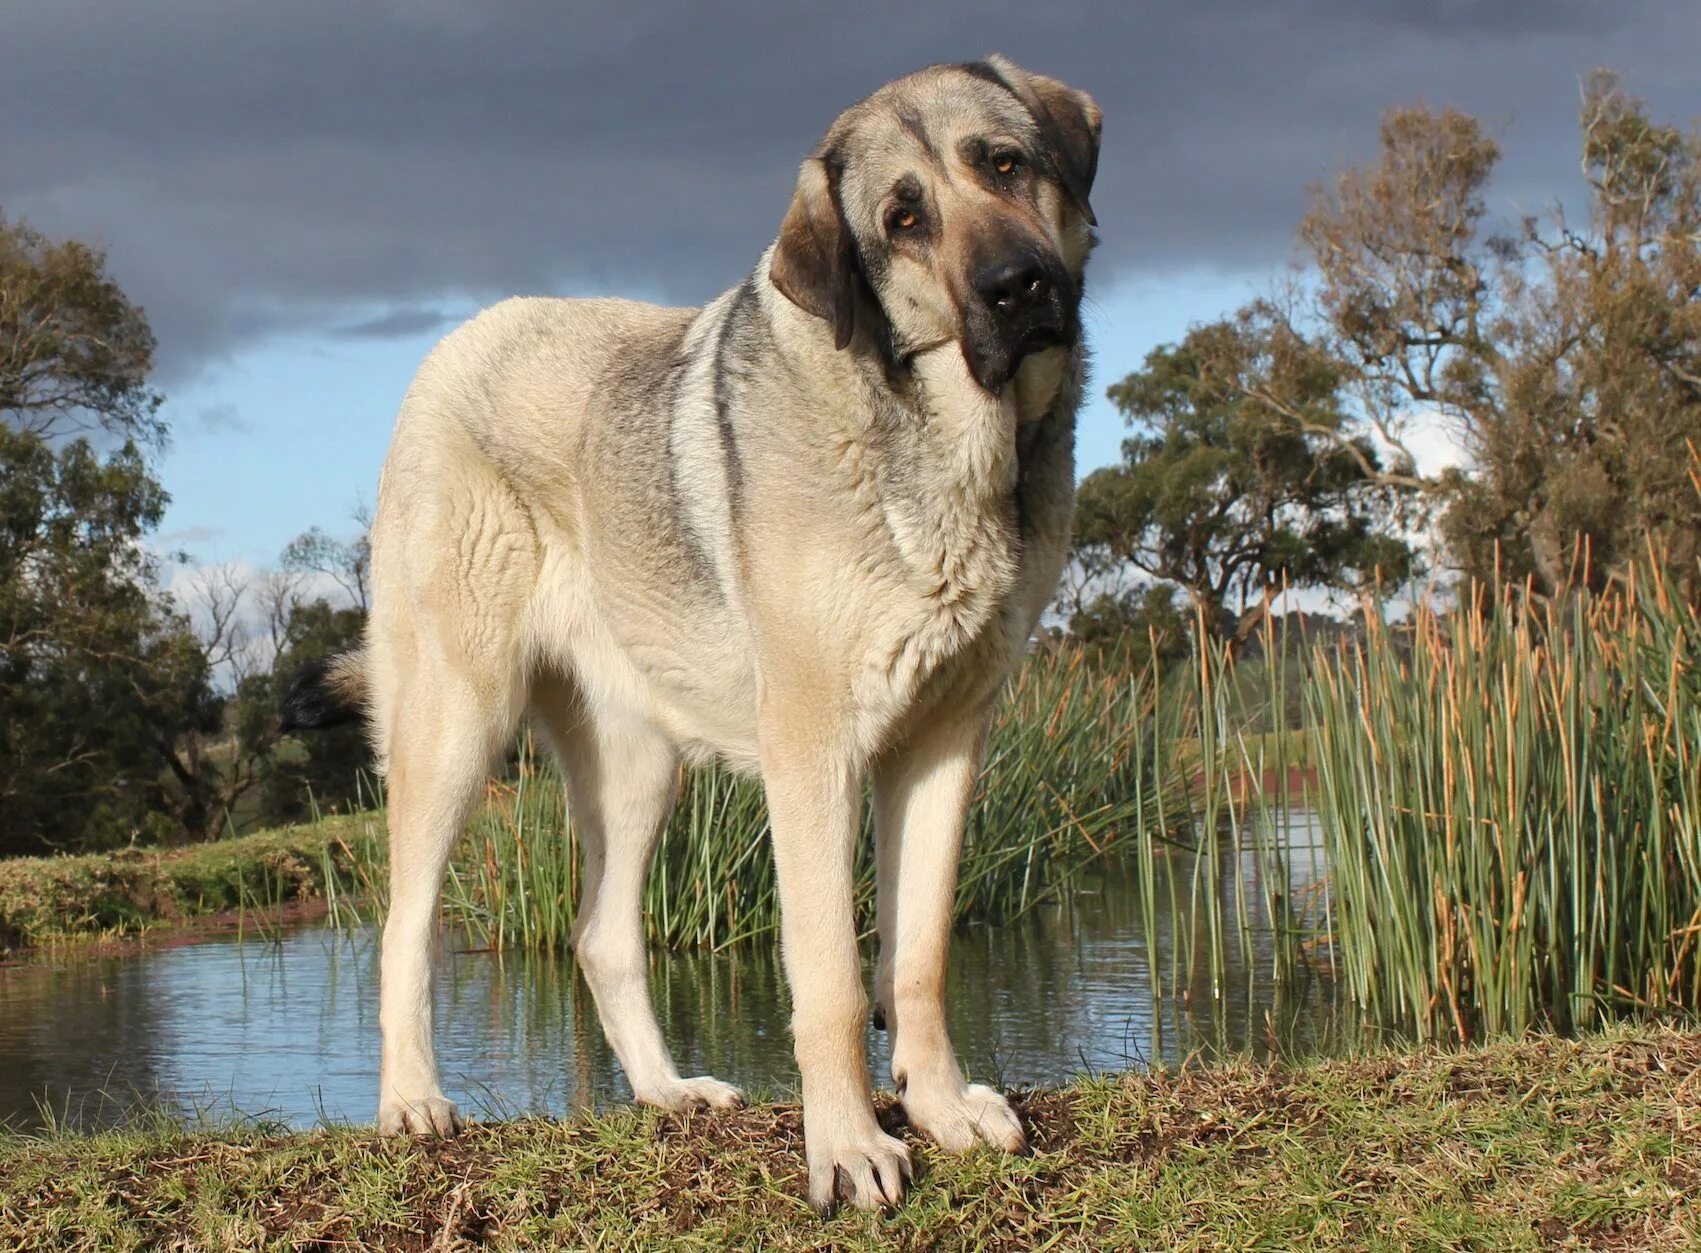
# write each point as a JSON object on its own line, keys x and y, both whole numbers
{"x": 959, "y": 1116}
{"x": 868, "y": 1171}
{"x": 687, "y": 1094}
{"x": 422, "y": 1116}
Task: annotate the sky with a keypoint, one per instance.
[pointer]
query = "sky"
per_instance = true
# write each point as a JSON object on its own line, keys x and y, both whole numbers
{"x": 305, "y": 196}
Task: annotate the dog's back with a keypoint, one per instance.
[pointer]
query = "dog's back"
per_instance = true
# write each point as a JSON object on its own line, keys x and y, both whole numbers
{"x": 532, "y": 498}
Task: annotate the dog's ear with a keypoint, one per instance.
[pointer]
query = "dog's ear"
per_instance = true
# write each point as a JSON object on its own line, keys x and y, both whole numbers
{"x": 1070, "y": 123}
{"x": 814, "y": 261}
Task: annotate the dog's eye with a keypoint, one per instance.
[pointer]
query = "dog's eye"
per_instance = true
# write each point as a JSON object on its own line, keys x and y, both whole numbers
{"x": 1006, "y": 162}
{"x": 902, "y": 218}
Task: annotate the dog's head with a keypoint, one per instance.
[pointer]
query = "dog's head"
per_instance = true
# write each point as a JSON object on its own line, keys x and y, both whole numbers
{"x": 952, "y": 205}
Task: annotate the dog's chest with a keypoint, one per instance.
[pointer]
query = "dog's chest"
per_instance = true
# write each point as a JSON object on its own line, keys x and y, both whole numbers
{"x": 950, "y": 510}
{"x": 963, "y": 566}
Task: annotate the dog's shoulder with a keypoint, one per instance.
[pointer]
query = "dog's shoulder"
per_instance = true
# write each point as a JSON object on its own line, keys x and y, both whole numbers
{"x": 540, "y": 367}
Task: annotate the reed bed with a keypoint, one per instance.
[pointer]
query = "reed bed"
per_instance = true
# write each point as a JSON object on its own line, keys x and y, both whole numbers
{"x": 1509, "y": 805}
{"x": 1072, "y": 771}
{"x": 1472, "y": 822}
{"x": 1496, "y": 825}
{"x": 1227, "y": 866}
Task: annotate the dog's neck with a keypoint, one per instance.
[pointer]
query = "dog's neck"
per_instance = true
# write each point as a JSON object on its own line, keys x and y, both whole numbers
{"x": 965, "y": 431}
{"x": 935, "y": 459}
{"x": 942, "y": 449}
{"x": 946, "y": 481}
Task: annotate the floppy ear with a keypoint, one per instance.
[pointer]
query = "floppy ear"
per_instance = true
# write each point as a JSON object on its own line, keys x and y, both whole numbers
{"x": 1070, "y": 123}
{"x": 814, "y": 261}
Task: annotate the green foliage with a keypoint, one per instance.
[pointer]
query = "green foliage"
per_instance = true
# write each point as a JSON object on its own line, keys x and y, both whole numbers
{"x": 1508, "y": 805}
{"x": 98, "y": 674}
{"x": 327, "y": 771}
{"x": 74, "y": 352}
{"x": 112, "y": 727}
{"x": 1243, "y": 475}
{"x": 1512, "y": 809}
{"x": 1133, "y": 628}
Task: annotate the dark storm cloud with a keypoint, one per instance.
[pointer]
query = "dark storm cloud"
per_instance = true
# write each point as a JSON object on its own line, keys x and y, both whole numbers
{"x": 262, "y": 167}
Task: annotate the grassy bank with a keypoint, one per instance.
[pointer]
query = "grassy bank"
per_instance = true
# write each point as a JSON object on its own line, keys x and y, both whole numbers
{"x": 43, "y": 899}
{"x": 1544, "y": 1143}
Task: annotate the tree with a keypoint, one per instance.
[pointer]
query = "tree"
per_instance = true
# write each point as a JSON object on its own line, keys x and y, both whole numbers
{"x": 330, "y": 770}
{"x": 1244, "y": 475}
{"x": 99, "y": 677}
{"x": 347, "y": 563}
{"x": 74, "y": 352}
{"x": 122, "y": 718}
{"x": 1565, "y": 359}
{"x": 257, "y": 629}
{"x": 1142, "y": 624}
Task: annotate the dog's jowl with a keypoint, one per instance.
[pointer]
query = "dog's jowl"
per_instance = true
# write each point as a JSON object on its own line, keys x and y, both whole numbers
{"x": 806, "y": 530}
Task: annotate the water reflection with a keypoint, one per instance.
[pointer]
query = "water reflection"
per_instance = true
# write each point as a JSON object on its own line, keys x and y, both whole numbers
{"x": 289, "y": 1029}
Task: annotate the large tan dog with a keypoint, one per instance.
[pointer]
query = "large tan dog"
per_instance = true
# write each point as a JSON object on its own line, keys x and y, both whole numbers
{"x": 806, "y": 530}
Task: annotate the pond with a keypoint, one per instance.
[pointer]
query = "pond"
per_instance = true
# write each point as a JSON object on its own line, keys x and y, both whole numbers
{"x": 285, "y": 1026}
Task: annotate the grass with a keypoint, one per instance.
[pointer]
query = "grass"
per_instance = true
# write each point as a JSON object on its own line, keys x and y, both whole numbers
{"x": 1509, "y": 800}
{"x": 1509, "y": 806}
{"x": 1074, "y": 766}
{"x": 48, "y": 899}
{"x": 1535, "y": 1144}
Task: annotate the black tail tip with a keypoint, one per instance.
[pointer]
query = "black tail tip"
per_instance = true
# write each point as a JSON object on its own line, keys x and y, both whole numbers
{"x": 311, "y": 703}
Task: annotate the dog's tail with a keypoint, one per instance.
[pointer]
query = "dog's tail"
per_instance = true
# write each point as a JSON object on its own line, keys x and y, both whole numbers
{"x": 325, "y": 692}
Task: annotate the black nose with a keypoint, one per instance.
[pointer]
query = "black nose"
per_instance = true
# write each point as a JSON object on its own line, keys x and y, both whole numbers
{"x": 1012, "y": 285}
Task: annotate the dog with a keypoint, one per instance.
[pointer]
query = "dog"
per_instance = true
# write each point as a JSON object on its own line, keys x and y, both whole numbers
{"x": 807, "y": 530}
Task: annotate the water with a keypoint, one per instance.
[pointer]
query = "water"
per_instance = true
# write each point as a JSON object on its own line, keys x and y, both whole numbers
{"x": 287, "y": 1028}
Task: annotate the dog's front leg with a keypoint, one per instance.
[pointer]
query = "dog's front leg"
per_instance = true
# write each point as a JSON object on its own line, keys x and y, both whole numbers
{"x": 814, "y": 802}
{"x": 921, "y": 798}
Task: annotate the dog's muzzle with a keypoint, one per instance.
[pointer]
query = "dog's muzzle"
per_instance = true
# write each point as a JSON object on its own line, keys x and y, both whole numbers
{"x": 1022, "y": 301}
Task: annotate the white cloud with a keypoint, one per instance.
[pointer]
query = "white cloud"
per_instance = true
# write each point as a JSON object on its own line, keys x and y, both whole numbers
{"x": 1433, "y": 445}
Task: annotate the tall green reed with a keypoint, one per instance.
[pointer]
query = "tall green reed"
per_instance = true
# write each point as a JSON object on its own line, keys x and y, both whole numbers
{"x": 1215, "y": 862}
{"x": 1485, "y": 821}
{"x": 1509, "y": 807}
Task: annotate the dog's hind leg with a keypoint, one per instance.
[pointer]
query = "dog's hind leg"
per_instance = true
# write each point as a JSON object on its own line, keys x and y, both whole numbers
{"x": 446, "y": 725}
{"x": 621, "y": 782}
{"x": 453, "y": 560}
